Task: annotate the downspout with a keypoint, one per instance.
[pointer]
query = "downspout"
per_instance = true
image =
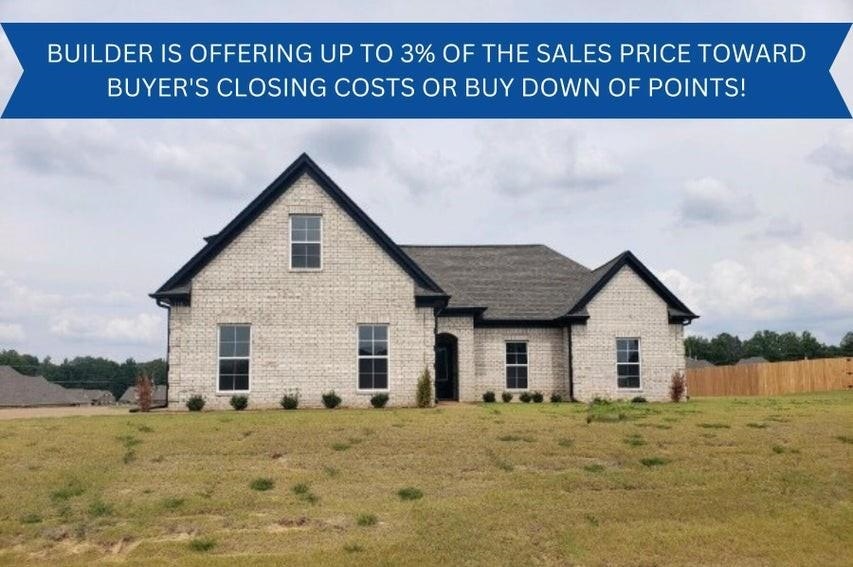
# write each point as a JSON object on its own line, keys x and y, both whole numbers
{"x": 570, "y": 362}
{"x": 168, "y": 309}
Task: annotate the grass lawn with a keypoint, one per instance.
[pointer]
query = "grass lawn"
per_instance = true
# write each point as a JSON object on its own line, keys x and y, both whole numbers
{"x": 758, "y": 481}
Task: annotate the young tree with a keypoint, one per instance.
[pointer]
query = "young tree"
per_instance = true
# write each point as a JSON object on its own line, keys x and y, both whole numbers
{"x": 144, "y": 392}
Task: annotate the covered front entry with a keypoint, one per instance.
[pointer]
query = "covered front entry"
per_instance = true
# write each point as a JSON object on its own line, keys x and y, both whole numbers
{"x": 446, "y": 367}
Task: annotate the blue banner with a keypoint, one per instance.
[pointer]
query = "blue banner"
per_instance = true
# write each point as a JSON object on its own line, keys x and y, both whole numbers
{"x": 426, "y": 70}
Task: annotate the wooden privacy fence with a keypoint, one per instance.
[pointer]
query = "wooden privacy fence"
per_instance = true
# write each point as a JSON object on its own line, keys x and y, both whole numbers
{"x": 771, "y": 378}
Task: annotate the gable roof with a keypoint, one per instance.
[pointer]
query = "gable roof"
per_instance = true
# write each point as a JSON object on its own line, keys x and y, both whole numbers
{"x": 158, "y": 395}
{"x": 179, "y": 285}
{"x": 20, "y": 390}
{"x": 531, "y": 283}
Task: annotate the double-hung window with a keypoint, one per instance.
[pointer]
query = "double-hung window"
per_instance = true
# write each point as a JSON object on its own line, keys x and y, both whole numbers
{"x": 373, "y": 357}
{"x": 628, "y": 364}
{"x": 234, "y": 355}
{"x": 516, "y": 365}
{"x": 306, "y": 242}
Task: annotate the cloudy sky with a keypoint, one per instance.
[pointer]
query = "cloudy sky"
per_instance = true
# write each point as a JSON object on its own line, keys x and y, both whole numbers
{"x": 750, "y": 222}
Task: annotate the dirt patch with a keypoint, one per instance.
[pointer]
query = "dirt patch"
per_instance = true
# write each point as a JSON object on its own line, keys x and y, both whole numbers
{"x": 30, "y": 413}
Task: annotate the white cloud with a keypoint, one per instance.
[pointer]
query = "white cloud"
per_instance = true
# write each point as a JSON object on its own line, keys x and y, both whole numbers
{"x": 11, "y": 333}
{"x": 837, "y": 154}
{"x": 794, "y": 282}
{"x": 139, "y": 329}
{"x": 709, "y": 200}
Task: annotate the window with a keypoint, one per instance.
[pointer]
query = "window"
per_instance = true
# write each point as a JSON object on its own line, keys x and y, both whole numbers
{"x": 373, "y": 357}
{"x": 234, "y": 352}
{"x": 306, "y": 238}
{"x": 516, "y": 366}
{"x": 628, "y": 363}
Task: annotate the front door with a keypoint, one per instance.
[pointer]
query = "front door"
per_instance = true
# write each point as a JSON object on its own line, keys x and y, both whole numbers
{"x": 445, "y": 367}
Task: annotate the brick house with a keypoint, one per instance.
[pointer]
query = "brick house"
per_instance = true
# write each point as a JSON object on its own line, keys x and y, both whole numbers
{"x": 303, "y": 292}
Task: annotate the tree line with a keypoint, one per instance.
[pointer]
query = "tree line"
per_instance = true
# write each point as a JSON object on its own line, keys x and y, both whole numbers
{"x": 773, "y": 346}
{"x": 92, "y": 373}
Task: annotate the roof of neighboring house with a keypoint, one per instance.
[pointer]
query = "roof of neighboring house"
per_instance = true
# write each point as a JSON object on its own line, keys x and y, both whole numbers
{"x": 495, "y": 283}
{"x": 19, "y": 390}
{"x": 752, "y": 360}
{"x": 526, "y": 282}
{"x": 696, "y": 363}
{"x": 157, "y": 397}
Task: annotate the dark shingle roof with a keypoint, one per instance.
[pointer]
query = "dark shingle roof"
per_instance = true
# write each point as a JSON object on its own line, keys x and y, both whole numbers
{"x": 512, "y": 282}
{"x": 19, "y": 390}
{"x": 526, "y": 282}
{"x": 158, "y": 396}
{"x": 752, "y": 360}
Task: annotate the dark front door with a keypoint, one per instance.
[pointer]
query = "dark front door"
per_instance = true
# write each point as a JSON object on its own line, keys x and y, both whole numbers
{"x": 445, "y": 367}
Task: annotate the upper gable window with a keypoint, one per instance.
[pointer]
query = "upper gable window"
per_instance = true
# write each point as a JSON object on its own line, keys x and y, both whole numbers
{"x": 306, "y": 242}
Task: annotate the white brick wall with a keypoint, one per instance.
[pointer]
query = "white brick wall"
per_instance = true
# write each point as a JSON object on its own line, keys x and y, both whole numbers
{"x": 303, "y": 323}
{"x": 546, "y": 360}
{"x": 626, "y": 307}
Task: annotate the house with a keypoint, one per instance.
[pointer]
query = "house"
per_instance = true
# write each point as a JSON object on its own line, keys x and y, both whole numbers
{"x": 696, "y": 363}
{"x": 94, "y": 397}
{"x": 158, "y": 396}
{"x": 19, "y": 390}
{"x": 751, "y": 360}
{"x": 303, "y": 292}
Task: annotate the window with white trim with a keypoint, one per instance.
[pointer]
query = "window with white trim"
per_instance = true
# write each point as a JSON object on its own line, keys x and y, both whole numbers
{"x": 234, "y": 354}
{"x": 373, "y": 357}
{"x": 306, "y": 242}
{"x": 628, "y": 364}
{"x": 516, "y": 365}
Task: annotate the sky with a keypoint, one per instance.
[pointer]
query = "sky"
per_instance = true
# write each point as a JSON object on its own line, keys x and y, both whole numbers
{"x": 750, "y": 222}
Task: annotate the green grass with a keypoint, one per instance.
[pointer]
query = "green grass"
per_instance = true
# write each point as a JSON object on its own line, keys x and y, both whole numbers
{"x": 410, "y": 493}
{"x": 262, "y": 484}
{"x": 578, "y": 494}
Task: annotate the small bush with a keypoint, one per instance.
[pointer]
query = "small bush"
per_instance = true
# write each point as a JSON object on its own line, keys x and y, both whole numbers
{"x": 202, "y": 544}
{"x": 144, "y": 392}
{"x": 70, "y": 490}
{"x": 331, "y": 400}
{"x": 290, "y": 401}
{"x": 410, "y": 493}
{"x": 340, "y": 446}
{"x": 262, "y": 484}
{"x": 594, "y": 468}
{"x": 489, "y": 397}
{"x": 173, "y": 503}
{"x": 677, "y": 387}
{"x": 31, "y": 519}
{"x": 538, "y": 398}
{"x": 757, "y": 425}
{"x": 301, "y": 488}
{"x": 845, "y": 438}
{"x": 195, "y": 403}
{"x": 635, "y": 440}
{"x": 525, "y": 397}
{"x": 365, "y": 520}
{"x": 379, "y": 400}
{"x": 506, "y": 397}
{"x": 599, "y": 401}
{"x": 424, "y": 392}
{"x": 638, "y": 400}
{"x": 565, "y": 442}
{"x": 556, "y": 398}
{"x": 713, "y": 425}
{"x": 653, "y": 462}
{"x": 99, "y": 509}
{"x": 239, "y": 403}
{"x": 353, "y": 548}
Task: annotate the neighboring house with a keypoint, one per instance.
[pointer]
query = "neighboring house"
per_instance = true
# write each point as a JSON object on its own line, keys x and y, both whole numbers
{"x": 302, "y": 291}
{"x": 158, "y": 396}
{"x": 751, "y": 360}
{"x": 94, "y": 397}
{"x": 696, "y": 363}
{"x": 19, "y": 390}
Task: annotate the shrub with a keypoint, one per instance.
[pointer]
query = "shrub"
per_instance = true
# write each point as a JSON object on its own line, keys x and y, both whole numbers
{"x": 144, "y": 392}
{"x": 638, "y": 400}
{"x": 506, "y": 397}
{"x": 262, "y": 484}
{"x": 556, "y": 398}
{"x": 489, "y": 397}
{"x": 290, "y": 401}
{"x": 31, "y": 519}
{"x": 366, "y": 520}
{"x": 202, "y": 544}
{"x": 99, "y": 509}
{"x": 538, "y": 398}
{"x": 379, "y": 400}
{"x": 239, "y": 403}
{"x": 653, "y": 462}
{"x": 331, "y": 400}
{"x": 424, "y": 392}
{"x": 677, "y": 387}
{"x": 525, "y": 397}
{"x": 195, "y": 403}
{"x": 410, "y": 493}
{"x": 599, "y": 401}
